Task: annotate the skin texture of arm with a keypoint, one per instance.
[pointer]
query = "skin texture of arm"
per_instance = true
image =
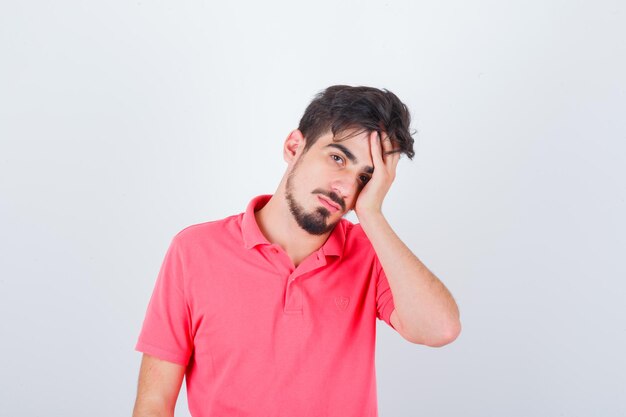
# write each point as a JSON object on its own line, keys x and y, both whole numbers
{"x": 425, "y": 311}
{"x": 158, "y": 387}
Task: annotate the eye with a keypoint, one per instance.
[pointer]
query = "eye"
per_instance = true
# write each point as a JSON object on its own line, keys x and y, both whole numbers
{"x": 337, "y": 158}
{"x": 364, "y": 179}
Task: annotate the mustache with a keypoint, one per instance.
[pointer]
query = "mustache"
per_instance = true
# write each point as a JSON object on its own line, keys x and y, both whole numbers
{"x": 332, "y": 196}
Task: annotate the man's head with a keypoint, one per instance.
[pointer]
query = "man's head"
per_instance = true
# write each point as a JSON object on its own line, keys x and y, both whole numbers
{"x": 340, "y": 108}
{"x": 329, "y": 154}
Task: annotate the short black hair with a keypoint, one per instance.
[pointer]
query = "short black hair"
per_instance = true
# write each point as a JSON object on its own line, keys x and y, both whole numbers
{"x": 341, "y": 107}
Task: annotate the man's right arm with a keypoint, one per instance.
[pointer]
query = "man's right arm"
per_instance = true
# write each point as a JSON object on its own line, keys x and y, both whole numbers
{"x": 158, "y": 387}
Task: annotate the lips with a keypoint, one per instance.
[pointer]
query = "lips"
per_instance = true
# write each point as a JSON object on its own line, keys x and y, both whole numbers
{"x": 328, "y": 204}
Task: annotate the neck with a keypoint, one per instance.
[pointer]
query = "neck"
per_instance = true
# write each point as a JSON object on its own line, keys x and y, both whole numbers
{"x": 279, "y": 227}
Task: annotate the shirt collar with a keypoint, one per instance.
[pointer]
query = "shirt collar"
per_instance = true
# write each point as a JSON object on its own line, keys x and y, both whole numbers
{"x": 250, "y": 231}
{"x": 252, "y": 235}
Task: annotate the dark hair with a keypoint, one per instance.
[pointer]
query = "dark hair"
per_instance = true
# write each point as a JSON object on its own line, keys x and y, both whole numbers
{"x": 342, "y": 107}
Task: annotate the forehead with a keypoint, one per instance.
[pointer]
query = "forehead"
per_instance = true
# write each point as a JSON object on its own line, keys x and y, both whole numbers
{"x": 353, "y": 139}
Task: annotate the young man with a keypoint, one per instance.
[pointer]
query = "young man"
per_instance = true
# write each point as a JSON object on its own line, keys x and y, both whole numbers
{"x": 272, "y": 312}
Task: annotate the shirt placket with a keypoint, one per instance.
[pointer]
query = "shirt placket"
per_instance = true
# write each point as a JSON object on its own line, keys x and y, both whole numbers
{"x": 292, "y": 302}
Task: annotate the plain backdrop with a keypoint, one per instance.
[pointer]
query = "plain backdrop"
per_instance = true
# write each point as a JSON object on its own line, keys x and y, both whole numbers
{"x": 123, "y": 122}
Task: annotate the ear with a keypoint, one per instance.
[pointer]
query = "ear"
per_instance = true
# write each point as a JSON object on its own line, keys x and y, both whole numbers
{"x": 294, "y": 144}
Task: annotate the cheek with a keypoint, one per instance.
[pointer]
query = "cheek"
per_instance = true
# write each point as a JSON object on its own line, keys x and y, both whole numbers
{"x": 307, "y": 179}
{"x": 318, "y": 173}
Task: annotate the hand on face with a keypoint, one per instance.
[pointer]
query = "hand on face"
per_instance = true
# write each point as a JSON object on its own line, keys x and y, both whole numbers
{"x": 370, "y": 199}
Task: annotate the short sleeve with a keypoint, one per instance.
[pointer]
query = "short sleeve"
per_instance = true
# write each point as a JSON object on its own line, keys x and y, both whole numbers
{"x": 166, "y": 329}
{"x": 384, "y": 298}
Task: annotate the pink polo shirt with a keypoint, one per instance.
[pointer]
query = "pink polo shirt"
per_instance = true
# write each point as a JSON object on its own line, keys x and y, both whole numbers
{"x": 261, "y": 338}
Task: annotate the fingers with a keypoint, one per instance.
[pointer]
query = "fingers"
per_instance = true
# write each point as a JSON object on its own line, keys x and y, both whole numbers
{"x": 381, "y": 148}
{"x": 375, "y": 148}
{"x": 386, "y": 144}
{"x": 388, "y": 148}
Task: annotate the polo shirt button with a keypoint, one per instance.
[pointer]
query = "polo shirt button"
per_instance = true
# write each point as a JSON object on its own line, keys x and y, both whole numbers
{"x": 274, "y": 250}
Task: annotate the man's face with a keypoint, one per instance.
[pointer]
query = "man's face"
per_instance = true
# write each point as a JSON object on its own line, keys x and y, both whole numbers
{"x": 325, "y": 181}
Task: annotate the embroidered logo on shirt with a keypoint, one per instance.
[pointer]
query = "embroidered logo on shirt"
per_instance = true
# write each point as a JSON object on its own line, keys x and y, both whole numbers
{"x": 342, "y": 302}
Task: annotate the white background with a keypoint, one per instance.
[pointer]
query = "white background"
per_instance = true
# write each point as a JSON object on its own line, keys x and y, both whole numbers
{"x": 123, "y": 122}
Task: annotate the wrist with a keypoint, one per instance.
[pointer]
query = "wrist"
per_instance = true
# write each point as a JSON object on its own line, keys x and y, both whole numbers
{"x": 370, "y": 216}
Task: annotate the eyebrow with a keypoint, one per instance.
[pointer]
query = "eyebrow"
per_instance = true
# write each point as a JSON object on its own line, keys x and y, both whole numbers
{"x": 350, "y": 156}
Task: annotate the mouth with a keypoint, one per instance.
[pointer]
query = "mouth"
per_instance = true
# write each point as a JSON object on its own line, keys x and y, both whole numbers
{"x": 330, "y": 205}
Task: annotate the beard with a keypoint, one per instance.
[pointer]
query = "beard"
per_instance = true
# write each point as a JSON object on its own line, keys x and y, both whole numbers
{"x": 315, "y": 222}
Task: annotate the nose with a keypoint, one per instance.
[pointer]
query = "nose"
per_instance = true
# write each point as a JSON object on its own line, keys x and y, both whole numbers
{"x": 345, "y": 186}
